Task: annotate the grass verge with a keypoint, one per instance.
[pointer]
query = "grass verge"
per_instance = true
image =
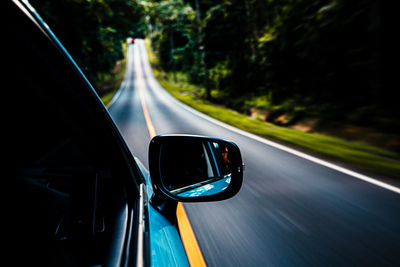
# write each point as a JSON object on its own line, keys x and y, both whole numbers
{"x": 111, "y": 84}
{"x": 365, "y": 157}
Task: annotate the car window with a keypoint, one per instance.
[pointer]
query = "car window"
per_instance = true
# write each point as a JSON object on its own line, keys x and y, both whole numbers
{"x": 68, "y": 180}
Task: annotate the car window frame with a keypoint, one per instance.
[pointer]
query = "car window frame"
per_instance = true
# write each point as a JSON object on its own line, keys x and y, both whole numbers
{"x": 126, "y": 254}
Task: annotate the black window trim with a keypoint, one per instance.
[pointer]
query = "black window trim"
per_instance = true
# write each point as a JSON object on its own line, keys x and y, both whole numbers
{"x": 134, "y": 216}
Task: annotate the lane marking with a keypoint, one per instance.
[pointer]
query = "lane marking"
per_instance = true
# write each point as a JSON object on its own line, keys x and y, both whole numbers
{"x": 139, "y": 78}
{"x": 193, "y": 252}
{"x": 188, "y": 238}
{"x": 295, "y": 152}
{"x": 150, "y": 126}
{"x": 292, "y": 151}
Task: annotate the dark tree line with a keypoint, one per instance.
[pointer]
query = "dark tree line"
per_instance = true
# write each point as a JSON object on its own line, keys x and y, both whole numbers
{"x": 93, "y": 31}
{"x": 318, "y": 57}
{"x": 321, "y": 57}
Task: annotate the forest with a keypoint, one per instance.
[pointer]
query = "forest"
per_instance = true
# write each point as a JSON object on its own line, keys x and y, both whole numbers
{"x": 303, "y": 58}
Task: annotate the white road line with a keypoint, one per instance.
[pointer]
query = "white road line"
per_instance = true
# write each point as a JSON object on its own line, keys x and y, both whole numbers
{"x": 284, "y": 148}
{"x": 296, "y": 152}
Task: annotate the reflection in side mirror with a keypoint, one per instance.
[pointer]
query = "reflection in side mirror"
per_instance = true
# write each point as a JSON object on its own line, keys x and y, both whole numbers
{"x": 192, "y": 167}
{"x": 195, "y": 169}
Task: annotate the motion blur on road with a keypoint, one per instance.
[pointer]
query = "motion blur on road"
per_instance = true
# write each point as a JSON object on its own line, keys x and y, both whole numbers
{"x": 289, "y": 212}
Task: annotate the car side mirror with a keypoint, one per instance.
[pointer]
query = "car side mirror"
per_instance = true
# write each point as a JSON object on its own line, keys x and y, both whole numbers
{"x": 194, "y": 168}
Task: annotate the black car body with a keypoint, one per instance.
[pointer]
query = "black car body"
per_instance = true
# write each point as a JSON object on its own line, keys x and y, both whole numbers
{"x": 78, "y": 196}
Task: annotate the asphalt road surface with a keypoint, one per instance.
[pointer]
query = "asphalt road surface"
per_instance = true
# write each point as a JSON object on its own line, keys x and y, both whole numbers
{"x": 290, "y": 211}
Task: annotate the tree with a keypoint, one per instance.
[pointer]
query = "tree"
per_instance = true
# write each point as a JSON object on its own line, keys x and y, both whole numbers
{"x": 93, "y": 31}
{"x": 173, "y": 24}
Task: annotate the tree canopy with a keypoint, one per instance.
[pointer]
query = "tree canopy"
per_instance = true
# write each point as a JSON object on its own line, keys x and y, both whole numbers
{"x": 320, "y": 57}
{"x": 93, "y": 30}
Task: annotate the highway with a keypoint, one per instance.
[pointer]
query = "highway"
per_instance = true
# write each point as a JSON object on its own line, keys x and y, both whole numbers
{"x": 291, "y": 211}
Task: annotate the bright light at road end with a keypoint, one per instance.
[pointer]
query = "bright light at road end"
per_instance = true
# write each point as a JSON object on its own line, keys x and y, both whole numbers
{"x": 130, "y": 40}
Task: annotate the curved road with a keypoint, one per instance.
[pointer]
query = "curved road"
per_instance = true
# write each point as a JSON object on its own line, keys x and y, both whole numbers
{"x": 290, "y": 211}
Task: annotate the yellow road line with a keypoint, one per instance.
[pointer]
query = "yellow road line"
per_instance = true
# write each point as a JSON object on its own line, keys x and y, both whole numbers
{"x": 189, "y": 241}
{"x": 150, "y": 126}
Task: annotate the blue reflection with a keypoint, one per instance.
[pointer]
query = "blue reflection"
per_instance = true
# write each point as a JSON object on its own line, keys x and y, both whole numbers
{"x": 208, "y": 189}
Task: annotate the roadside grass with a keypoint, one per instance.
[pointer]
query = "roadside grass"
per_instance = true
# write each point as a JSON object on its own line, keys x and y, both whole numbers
{"x": 364, "y": 157}
{"x": 112, "y": 83}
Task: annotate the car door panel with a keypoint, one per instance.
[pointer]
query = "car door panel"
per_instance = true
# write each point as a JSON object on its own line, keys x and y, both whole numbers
{"x": 166, "y": 246}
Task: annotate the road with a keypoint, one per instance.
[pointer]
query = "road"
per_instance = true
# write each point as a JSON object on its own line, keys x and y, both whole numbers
{"x": 290, "y": 211}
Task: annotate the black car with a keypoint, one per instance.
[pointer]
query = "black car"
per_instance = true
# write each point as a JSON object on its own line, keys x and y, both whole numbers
{"x": 75, "y": 194}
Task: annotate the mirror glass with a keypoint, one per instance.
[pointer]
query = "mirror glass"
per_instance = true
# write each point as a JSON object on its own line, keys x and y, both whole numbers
{"x": 195, "y": 167}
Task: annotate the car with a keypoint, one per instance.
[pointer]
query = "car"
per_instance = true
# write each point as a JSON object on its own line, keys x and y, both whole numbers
{"x": 77, "y": 195}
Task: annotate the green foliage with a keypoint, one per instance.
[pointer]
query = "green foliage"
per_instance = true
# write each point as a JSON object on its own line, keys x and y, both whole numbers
{"x": 172, "y": 24}
{"x": 322, "y": 56}
{"x": 260, "y": 102}
{"x": 369, "y": 158}
{"x": 366, "y": 157}
{"x": 93, "y": 30}
{"x": 221, "y": 75}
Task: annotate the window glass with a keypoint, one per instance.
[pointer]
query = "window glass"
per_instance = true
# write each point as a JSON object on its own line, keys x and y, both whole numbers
{"x": 66, "y": 183}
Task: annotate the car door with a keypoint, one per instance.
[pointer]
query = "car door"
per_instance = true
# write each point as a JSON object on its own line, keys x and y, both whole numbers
{"x": 74, "y": 185}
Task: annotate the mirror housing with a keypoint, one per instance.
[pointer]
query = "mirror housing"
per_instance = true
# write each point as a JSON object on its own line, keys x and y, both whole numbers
{"x": 189, "y": 168}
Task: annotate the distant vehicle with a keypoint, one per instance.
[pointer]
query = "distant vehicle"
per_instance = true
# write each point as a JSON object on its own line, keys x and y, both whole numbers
{"x": 132, "y": 40}
{"x": 78, "y": 197}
